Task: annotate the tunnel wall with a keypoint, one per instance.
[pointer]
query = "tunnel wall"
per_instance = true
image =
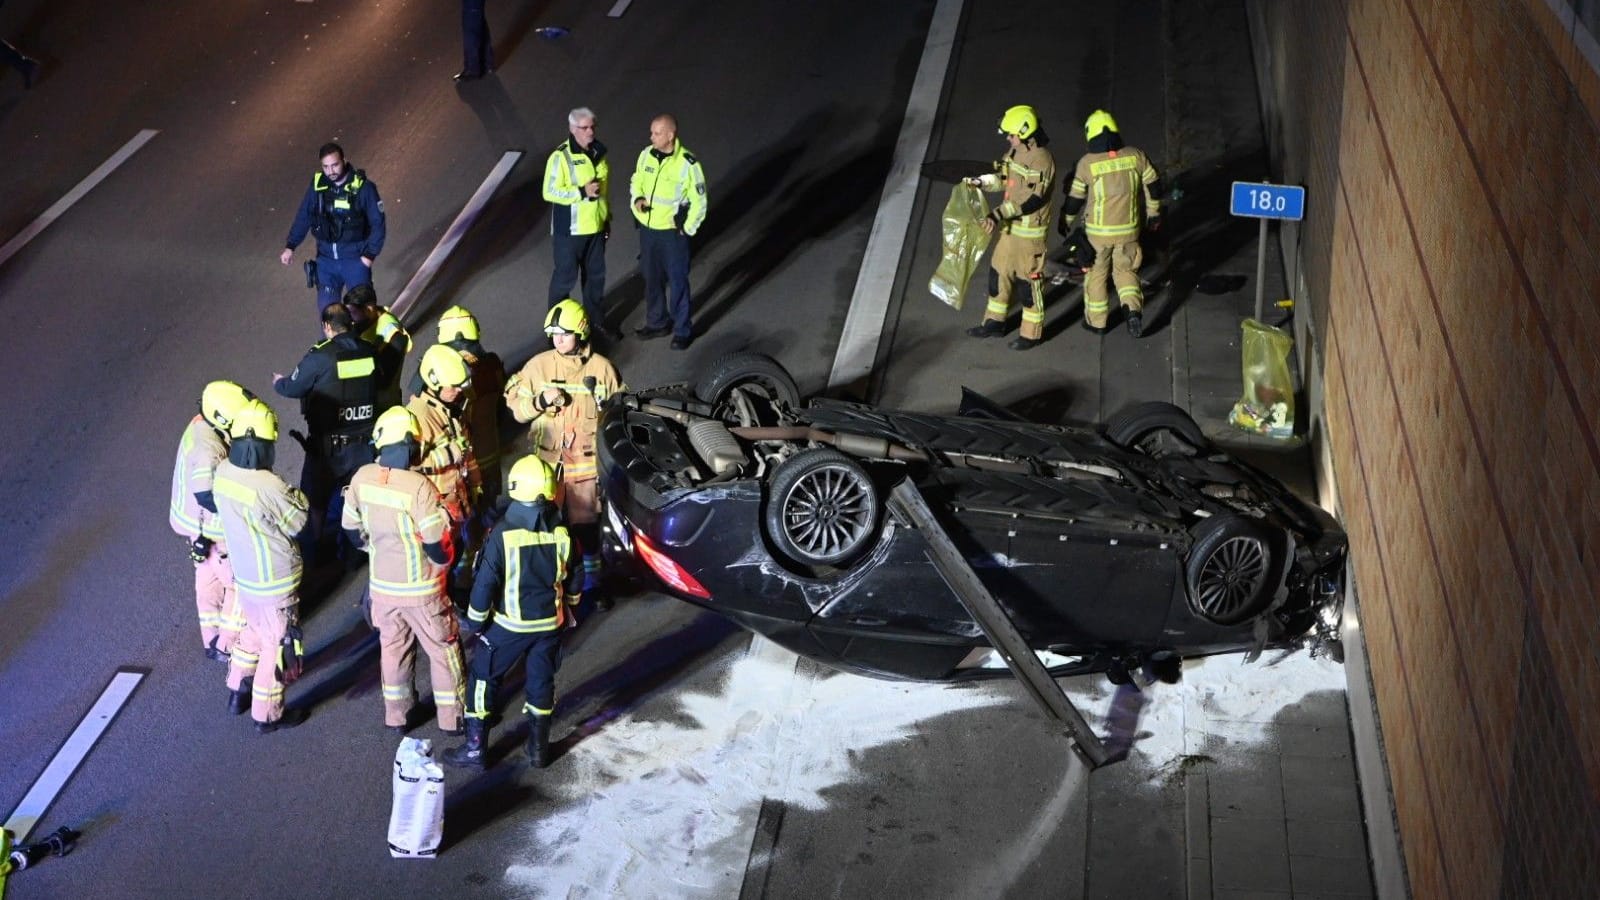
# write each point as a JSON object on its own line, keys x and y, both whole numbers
{"x": 1447, "y": 270}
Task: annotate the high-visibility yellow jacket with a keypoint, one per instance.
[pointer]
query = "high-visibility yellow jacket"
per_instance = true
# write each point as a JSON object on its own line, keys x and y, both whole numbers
{"x": 199, "y": 451}
{"x": 563, "y": 432}
{"x": 397, "y": 511}
{"x": 566, "y": 171}
{"x": 1114, "y": 185}
{"x": 261, "y": 514}
{"x": 674, "y": 186}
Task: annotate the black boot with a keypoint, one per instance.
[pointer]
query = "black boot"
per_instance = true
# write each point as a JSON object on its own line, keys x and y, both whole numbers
{"x": 989, "y": 328}
{"x": 289, "y": 719}
{"x": 472, "y": 754}
{"x": 213, "y": 653}
{"x": 239, "y": 701}
{"x": 539, "y": 741}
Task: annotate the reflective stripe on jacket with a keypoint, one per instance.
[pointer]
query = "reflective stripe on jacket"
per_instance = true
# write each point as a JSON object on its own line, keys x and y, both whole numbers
{"x": 261, "y": 515}
{"x": 1113, "y": 183}
{"x": 199, "y": 451}
{"x": 566, "y": 172}
{"x": 398, "y": 511}
{"x": 1026, "y": 175}
{"x": 675, "y": 187}
{"x": 580, "y": 415}
{"x": 447, "y": 457}
{"x": 525, "y": 579}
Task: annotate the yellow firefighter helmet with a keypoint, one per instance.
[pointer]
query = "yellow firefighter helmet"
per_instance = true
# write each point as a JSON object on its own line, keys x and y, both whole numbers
{"x": 1098, "y": 121}
{"x": 530, "y": 479}
{"x": 221, "y": 401}
{"x": 255, "y": 419}
{"x": 567, "y": 317}
{"x": 1021, "y": 121}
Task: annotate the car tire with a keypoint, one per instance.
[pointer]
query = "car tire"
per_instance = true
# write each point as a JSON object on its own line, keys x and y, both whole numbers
{"x": 1232, "y": 569}
{"x": 1157, "y": 429}
{"x": 822, "y": 509}
{"x": 738, "y": 369}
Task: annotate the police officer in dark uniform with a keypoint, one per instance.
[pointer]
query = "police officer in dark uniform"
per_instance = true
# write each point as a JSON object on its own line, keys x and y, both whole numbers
{"x": 337, "y": 384}
{"x": 343, "y": 211}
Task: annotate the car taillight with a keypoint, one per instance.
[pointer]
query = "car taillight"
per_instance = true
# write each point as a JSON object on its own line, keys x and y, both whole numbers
{"x": 667, "y": 570}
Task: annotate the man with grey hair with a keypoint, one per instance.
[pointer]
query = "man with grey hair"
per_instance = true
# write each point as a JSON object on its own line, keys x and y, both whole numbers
{"x": 576, "y": 178}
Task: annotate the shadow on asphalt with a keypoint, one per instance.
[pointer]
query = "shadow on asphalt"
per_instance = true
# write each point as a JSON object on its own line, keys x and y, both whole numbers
{"x": 623, "y": 687}
{"x": 486, "y": 798}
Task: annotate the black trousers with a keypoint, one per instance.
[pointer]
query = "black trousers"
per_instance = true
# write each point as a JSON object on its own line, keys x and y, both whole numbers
{"x": 477, "y": 51}
{"x": 331, "y": 461}
{"x": 495, "y": 651}
{"x": 664, "y": 262}
{"x": 580, "y": 256}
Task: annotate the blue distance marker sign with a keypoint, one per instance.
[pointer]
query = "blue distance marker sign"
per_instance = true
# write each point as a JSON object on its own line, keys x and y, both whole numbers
{"x": 1268, "y": 201}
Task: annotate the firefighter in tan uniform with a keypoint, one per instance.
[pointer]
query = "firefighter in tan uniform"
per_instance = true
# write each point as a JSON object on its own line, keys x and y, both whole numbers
{"x": 1025, "y": 175}
{"x": 1118, "y": 191}
{"x": 261, "y": 514}
{"x": 396, "y": 515}
{"x": 560, "y": 391}
{"x": 446, "y": 446}
{"x": 193, "y": 514}
{"x": 458, "y": 329}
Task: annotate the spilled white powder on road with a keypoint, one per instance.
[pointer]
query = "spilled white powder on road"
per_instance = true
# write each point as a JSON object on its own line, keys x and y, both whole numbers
{"x": 665, "y": 809}
{"x": 654, "y": 808}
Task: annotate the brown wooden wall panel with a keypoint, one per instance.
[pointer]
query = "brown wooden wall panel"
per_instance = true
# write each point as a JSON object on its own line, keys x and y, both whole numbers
{"x": 1452, "y": 231}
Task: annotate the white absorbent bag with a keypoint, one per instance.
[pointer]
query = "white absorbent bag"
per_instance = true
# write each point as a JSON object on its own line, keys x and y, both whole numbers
{"x": 416, "y": 820}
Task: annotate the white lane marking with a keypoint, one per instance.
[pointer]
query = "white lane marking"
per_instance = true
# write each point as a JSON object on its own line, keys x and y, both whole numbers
{"x": 869, "y": 304}
{"x": 73, "y": 196}
{"x": 71, "y": 754}
{"x": 620, "y": 7}
{"x": 452, "y": 235}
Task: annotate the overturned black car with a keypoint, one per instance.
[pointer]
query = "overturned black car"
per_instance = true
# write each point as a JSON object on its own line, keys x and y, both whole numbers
{"x": 1132, "y": 544}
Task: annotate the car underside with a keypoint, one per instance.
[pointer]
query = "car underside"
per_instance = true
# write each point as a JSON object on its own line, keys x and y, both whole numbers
{"x": 1132, "y": 544}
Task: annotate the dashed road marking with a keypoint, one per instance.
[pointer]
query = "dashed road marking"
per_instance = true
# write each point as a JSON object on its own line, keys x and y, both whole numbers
{"x": 620, "y": 7}
{"x": 452, "y": 235}
{"x": 869, "y": 304}
{"x": 72, "y": 753}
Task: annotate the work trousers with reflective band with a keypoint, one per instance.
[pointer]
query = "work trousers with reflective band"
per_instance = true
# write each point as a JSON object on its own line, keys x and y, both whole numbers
{"x": 400, "y": 630}
{"x": 216, "y": 600}
{"x": 495, "y": 652}
{"x": 1017, "y": 259}
{"x": 255, "y": 655}
{"x": 1121, "y": 257}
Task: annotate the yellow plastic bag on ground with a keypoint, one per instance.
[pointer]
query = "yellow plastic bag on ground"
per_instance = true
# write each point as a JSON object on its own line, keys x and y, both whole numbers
{"x": 1267, "y": 406}
{"x": 964, "y": 243}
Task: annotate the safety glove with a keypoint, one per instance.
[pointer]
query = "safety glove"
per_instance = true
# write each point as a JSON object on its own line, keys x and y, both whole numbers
{"x": 200, "y": 549}
{"x": 291, "y": 655}
{"x": 1064, "y": 224}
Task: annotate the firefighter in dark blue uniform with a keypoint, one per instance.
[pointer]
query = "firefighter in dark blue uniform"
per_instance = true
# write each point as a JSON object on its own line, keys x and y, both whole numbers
{"x": 526, "y": 591}
{"x": 343, "y": 211}
{"x": 337, "y": 384}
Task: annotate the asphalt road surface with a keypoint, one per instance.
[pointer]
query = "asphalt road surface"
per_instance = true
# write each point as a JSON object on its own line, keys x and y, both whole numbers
{"x": 693, "y": 764}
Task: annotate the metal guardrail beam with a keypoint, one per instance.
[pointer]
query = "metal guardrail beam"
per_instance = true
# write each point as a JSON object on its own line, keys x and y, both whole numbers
{"x": 994, "y": 621}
